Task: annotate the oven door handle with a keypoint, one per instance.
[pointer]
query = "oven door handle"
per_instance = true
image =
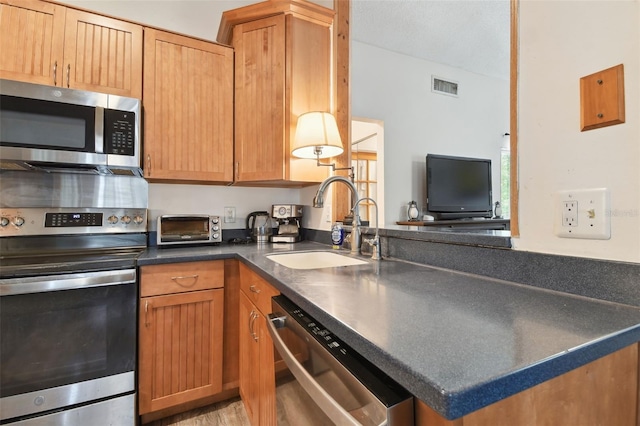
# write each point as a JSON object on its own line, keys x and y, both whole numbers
{"x": 326, "y": 403}
{"x": 42, "y": 284}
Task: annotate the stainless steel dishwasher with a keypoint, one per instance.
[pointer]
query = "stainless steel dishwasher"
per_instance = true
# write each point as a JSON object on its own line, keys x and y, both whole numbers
{"x": 326, "y": 382}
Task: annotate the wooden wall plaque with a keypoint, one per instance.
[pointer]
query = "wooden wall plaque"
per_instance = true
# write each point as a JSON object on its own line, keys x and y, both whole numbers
{"x": 602, "y": 98}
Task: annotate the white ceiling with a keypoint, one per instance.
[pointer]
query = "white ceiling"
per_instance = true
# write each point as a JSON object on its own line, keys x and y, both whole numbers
{"x": 469, "y": 34}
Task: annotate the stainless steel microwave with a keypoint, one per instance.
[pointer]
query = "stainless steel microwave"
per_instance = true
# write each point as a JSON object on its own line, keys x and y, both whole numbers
{"x": 51, "y": 127}
{"x": 188, "y": 229}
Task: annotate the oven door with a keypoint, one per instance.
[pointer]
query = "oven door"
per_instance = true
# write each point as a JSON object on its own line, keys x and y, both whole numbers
{"x": 67, "y": 340}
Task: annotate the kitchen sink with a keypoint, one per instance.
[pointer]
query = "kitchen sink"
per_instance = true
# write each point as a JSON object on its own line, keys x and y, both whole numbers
{"x": 314, "y": 260}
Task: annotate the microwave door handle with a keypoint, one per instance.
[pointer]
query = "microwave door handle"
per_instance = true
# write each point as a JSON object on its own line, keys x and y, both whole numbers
{"x": 99, "y": 134}
{"x": 326, "y": 403}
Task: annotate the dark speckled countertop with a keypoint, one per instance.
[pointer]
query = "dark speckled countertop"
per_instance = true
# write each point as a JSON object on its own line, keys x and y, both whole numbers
{"x": 456, "y": 341}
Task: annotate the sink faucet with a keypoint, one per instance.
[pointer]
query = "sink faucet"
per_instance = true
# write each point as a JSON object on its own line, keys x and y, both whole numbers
{"x": 375, "y": 241}
{"x": 318, "y": 201}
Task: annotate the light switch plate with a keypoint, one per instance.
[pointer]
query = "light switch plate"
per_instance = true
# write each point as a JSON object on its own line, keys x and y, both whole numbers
{"x": 229, "y": 215}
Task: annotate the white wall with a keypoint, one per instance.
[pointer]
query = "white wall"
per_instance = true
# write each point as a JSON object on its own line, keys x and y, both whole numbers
{"x": 559, "y": 43}
{"x": 211, "y": 200}
{"x": 396, "y": 89}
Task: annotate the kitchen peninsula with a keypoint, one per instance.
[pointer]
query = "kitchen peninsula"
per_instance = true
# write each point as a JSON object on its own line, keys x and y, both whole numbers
{"x": 458, "y": 342}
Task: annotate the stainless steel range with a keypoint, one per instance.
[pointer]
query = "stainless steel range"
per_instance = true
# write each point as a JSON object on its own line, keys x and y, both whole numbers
{"x": 68, "y": 297}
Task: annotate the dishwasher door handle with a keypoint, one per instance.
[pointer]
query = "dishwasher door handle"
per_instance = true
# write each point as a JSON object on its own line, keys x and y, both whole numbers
{"x": 327, "y": 404}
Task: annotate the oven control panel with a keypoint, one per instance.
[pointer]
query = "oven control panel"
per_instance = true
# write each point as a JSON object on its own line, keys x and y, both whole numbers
{"x": 65, "y": 221}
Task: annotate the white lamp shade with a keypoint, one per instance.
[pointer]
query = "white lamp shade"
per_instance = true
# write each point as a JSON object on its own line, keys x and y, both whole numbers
{"x": 317, "y": 136}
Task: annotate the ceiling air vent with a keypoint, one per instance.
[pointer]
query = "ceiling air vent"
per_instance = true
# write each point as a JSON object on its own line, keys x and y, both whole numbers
{"x": 444, "y": 87}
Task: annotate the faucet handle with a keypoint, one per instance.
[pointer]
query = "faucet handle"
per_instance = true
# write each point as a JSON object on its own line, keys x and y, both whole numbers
{"x": 375, "y": 247}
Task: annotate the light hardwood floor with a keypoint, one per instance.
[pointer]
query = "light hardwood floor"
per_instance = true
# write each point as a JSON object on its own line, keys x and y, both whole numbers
{"x": 225, "y": 413}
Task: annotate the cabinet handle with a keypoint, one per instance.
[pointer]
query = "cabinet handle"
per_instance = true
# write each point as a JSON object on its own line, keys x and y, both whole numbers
{"x": 254, "y": 289}
{"x": 253, "y": 316}
{"x": 148, "y": 164}
{"x": 193, "y": 277}
{"x": 55, "y": 73}
{"x": 146, "y": 313}
{"x": 68, "y": 74}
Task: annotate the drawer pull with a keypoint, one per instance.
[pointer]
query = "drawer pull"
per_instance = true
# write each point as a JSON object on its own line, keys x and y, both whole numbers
{"x": 254, "y": 289}
{"x": 194, "y": 279}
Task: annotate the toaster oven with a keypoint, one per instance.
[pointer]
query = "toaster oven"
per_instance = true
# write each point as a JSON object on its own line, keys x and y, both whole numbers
{"x": 188, "y": 229}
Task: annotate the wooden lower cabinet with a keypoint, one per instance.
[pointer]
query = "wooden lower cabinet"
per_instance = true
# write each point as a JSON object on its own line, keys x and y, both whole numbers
{"x": 257, "y": 362}
{"x": 603, "y": 392}
{"x": 180, "y": 334}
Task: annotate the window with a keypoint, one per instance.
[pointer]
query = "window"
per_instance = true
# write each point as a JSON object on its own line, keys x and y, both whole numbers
{"x": 366, "y": 180}
{"x": 505, "y": 182}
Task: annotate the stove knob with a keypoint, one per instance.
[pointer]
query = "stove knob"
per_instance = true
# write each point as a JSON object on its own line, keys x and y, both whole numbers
{"x": 215, "y": 220}
{"x": 112, "y": 219}
{"x": 4, "y": 221}
{"x": 18, "y": 221}
{"x": 126, "y": 219}
{"x": 216, "y": 228}
{"x": 216, "y": 236}
{"x": 137, "y": 219}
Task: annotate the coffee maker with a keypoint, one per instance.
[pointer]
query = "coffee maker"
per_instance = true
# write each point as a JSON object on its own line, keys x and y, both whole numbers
{"x": 288, "y": 217}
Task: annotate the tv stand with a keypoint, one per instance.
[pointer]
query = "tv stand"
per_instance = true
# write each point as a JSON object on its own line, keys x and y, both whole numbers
{"x": 478, "y": 223}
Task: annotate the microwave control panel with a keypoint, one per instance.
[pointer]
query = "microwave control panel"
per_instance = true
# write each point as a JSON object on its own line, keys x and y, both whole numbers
{"x": 119, "y": 132}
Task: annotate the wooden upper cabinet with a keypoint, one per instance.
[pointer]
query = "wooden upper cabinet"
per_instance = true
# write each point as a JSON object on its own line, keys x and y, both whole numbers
{"x": 31, "y": 41}
{"x": 283, "y": 69}
{"x": 260, "y": 85}
{"x": 188, "y": 102}
{"x": 50, "y": 44}
{"x": 102, "y": 54}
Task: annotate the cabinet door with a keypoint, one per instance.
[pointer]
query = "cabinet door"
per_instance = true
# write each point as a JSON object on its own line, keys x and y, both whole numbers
{"x": 257, "y": 371}
{"x": 31, "y": 40}
{"x": 188, "y": 99}
{"x": 249, "y": 348}
{"x": 260, "y": 84}
{"x": 102, "y": 54}
{"x": 267, "y": 375}
{"x": 180, "y": 348}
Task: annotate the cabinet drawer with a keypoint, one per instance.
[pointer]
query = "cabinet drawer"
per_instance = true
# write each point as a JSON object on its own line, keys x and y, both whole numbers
{"x": 181, "y": 277}
{"x": 257, "y": 289}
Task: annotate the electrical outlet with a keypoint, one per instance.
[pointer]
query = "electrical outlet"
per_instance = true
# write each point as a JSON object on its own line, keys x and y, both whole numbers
{"x": 583, "y": 213}
{"x": 229, "y": 215}
{"x": 570, "y": 213}
{"x": 327, "y": 213}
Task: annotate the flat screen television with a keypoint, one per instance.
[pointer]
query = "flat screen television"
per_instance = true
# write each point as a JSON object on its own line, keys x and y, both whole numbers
{"x": 458, "y": 187}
